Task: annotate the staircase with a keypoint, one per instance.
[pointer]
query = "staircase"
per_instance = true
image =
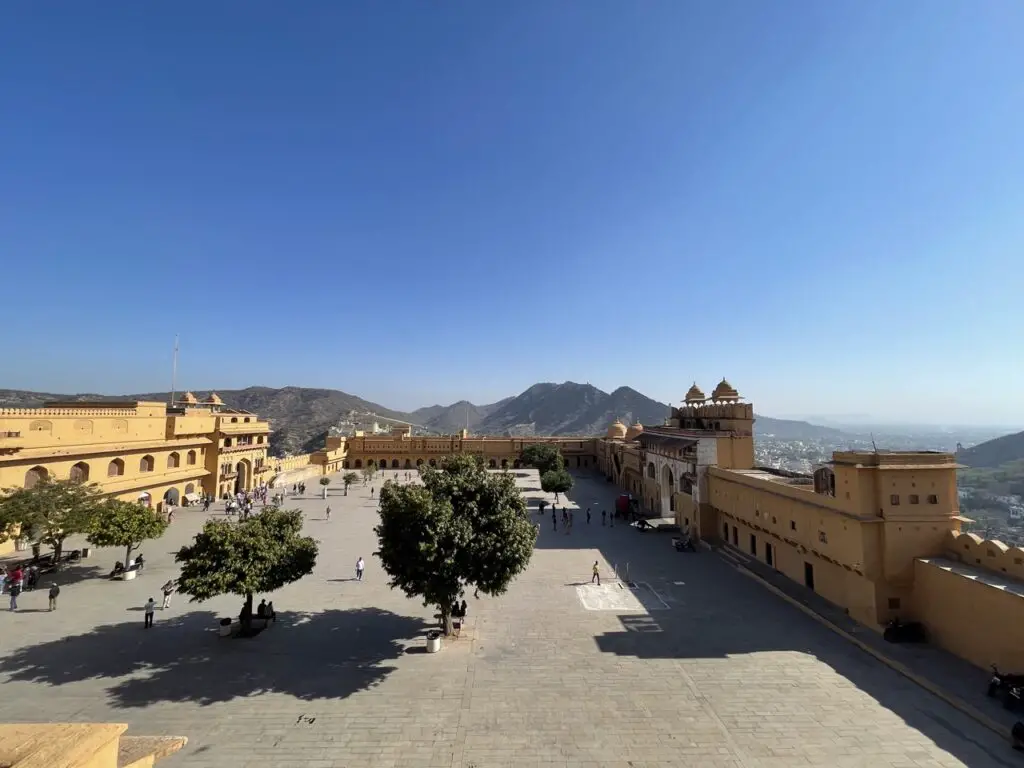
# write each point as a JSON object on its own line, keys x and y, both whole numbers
{"x": 81, "y": 745}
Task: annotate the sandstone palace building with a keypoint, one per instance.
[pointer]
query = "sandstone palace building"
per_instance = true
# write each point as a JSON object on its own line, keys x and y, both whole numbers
{"x": 876, "y": 533}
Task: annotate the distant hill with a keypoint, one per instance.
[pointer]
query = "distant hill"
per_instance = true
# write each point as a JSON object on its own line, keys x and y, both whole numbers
{"x": 785, "y": 429}
{"x": 993, "y": 453}
{"x": 570, "y": 409}
{"x": 448, "y": 419}
{"x": 300, "y": 417}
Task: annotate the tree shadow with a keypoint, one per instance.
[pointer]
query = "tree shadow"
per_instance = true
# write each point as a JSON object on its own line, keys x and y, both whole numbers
{"x": 71, "y": 574}
{"x": 327, "y": 655}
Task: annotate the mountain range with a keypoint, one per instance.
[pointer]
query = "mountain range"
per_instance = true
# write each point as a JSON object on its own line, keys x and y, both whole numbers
{"x": 994, "y": 453}
{"x": 301, "y": 417}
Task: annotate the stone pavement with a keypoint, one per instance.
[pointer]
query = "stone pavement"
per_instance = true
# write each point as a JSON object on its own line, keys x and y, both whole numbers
{"x": 694, "y": 666}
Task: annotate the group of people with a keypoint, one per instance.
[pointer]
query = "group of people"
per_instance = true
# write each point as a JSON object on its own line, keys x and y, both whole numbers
{"x": 19, "y": 580}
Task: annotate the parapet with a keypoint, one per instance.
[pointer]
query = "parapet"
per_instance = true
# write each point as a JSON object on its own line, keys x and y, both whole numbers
{"x": 995, "y": 556}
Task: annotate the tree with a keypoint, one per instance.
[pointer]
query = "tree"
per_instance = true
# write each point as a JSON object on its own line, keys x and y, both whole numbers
{"x": 325, "y": 481}
{"x": 464, "y": 527}
{"x": 49, "y": 512}
{"x": 125, "y": 524}
{"x": 258, "y": 555}
{"x": 544, "y": 457}
{"x": 556, "y": 482}
{"x": 348, "y": 479}
{"x": 368, "y": 472}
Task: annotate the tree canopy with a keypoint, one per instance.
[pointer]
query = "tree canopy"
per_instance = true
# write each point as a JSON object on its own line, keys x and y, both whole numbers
{"x": 348, "y": 479}
{"x": 125, "y": 524}
{"x": 556, "y": 482}
{"x": 258, "y": 555}
{"x": 544, "y": 457}
{"x": 463, "y": 528}
{"x": 49, "y": 512}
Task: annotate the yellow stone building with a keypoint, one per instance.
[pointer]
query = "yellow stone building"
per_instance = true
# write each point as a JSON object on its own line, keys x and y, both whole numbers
{"x": 136, "y": 451}
{"x": 875, "y": 532}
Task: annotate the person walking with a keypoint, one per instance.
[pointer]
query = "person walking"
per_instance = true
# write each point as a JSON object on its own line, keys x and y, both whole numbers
{"x": 360, "y": 567}
{"x": 596, "y": 575}
{"x": 603, "y": 516}
{"x": 167, "y": 590}
{"x": 588, "y": 515}
{"x": 554, "y": 520}
{"x": 150, "y": 609}
{"x": 54, "y": 593}
{"x": 327, "y": 513}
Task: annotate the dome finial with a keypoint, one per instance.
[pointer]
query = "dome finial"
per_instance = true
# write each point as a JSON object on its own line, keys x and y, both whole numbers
{"x": 694, "y": 395}
{"x": 725, "y": 392}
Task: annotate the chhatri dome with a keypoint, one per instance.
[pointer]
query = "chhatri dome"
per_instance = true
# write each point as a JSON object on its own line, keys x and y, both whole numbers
{"x": 189, "y": 399}
{"x": 635, "y": 431}
{"x": 694, "y": 396}
{"x": 725, "y": 393}
{"x": 617, "y": 431}
{"x": 214, "y": 399}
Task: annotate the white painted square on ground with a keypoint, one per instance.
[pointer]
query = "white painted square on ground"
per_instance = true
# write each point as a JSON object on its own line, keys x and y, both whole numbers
{"x": 616, "y": 596}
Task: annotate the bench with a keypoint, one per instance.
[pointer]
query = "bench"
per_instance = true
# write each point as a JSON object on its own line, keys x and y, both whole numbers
{"x": 256, "y": 623}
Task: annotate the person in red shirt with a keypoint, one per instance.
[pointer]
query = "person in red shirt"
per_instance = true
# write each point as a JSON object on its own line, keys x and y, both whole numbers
{"x": 15, "y": 579}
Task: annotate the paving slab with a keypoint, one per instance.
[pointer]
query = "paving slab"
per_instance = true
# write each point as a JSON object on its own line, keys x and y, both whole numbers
{"x": 694, "y": 666}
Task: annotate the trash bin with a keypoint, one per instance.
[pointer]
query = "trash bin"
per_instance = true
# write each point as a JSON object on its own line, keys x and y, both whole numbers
{"x": 86, "y": 551}
{"x": 433, "y": 641}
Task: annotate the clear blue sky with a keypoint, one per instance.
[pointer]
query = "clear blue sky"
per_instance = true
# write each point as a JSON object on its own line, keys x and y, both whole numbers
{"x": 418, "y": 202}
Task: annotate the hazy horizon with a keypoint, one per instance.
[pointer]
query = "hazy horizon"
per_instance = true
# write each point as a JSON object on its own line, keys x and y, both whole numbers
{"x": 428, "y": 202}
{"x": 849, "y": 422}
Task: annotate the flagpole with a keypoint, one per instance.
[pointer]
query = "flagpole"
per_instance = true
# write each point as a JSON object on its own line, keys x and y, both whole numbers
{"x": 174, "y": 371}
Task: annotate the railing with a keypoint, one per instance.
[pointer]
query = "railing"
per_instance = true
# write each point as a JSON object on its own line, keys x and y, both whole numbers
{"x": 68, "y": 412}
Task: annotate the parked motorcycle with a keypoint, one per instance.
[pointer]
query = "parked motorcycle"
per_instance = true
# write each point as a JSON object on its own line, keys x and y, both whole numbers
{"x": 897, "y": 631}
{"x": 683, "y": 545}
{"x": 1001, "y": 682}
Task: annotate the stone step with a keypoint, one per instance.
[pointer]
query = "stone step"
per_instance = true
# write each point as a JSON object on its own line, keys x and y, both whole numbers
{"x": 143, "y": 751}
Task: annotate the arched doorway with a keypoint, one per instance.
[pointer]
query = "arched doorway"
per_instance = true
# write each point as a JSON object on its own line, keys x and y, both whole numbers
{"x": 517, "y": 464}
{"x": 433, "y": 462}
{"x": 34, "y": 475}
{"x": 242, "y": 480}
{"x": 667, "y": 485}
{"x": 190, "y": 488}
{"x": 492, "y": 464}
{"x": 394, "y": 463}
{"x": 79, "y": 473}
{"x": 419, "y": 462}
{"x": 408, "y": 463}
{"x": 171, "y": 497}
{"x": 504, "y": 463}
{"x": 359, "y": 464}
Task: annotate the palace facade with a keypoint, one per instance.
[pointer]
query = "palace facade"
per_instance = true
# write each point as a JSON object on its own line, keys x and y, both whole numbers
{"x": 157, "y": 454}
{"x": 877, "y": 533}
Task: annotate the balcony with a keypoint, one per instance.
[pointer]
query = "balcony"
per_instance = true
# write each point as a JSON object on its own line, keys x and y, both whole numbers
{"x": 250, "y": 447}
{"x": 11, "y": 441}
{"x": 242, "y": 428}
{"x": 228, "y": 475}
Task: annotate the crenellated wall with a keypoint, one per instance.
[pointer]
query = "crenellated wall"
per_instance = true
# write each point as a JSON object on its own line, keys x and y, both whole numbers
{"x": 995, "y": 556}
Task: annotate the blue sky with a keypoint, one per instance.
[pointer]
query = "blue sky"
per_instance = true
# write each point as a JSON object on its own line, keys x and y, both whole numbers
{"x": 419, "y": 202}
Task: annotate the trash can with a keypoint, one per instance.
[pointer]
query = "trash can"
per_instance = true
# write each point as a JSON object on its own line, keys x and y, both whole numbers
{"x": 433, "y": 641}
{"x": 129, "y": 575}
{"x": 86, "y": 551}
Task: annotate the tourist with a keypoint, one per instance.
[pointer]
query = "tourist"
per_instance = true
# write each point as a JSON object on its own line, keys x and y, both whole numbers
{"x": 15, "y": 588}
{"x": 554, "y": 519}
{"x": 588, "y": 515}
{"x": 168, "y": 590}
{"x": 327, "y": 513}
{"x": 360, "y": 566}
{"x": 371, "y": 491}
{"x": 54, "y": 594}
{"x": 261, "y": 609}
{"x": 150, "y": 609}
{"x": 603, "y": 516}
{"x": 170, "y": 516}
{"x": 596, "y": 575}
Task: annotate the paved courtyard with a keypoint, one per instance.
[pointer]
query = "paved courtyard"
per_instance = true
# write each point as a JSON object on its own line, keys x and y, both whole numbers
{"x": 696, "y": 665}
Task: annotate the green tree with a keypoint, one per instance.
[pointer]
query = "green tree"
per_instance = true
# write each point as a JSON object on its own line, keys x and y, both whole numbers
{"x": 258, "y": 555}
{"x": 369, "y": 471}
{"x": 325, "y": 481}
{"x": 348, "y": 479}
{"x": 49, "y": 512}
{"x": 556, "y": 482}
{"x": 544, "y": 457}
{"x": 125, "y": 524}
{"x": 464, "y": 527}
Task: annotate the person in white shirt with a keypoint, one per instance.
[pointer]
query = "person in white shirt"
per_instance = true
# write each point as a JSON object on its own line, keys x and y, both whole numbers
{"x": 360, "y": 565}
{"x": 150, "y": 609}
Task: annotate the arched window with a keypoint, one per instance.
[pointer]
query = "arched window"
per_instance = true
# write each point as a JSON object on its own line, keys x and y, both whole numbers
{"x": 419, "y": 462}
{"x": 115, "y": 468}
{"x": 34, "y": 475}
{"x": 234, "y": 419}
{"x": 173, "y": 460}
{"x": 79, "y": 473}
{"x": 433, "y": 462}
{"x": 227, "y": 442}
{"x": 191, "y": 457}
{"x": 259, "y": 440}
{"x": 492, "y": 464}
{"x": 394, "y": 463}
{"x": 146, "y": 464}
{"x": 358, "y": 464}
{"x": 650, "y": 470}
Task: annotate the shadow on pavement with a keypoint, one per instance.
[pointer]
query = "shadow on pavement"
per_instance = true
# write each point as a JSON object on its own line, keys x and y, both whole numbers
{"x": 328, "y": 655}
